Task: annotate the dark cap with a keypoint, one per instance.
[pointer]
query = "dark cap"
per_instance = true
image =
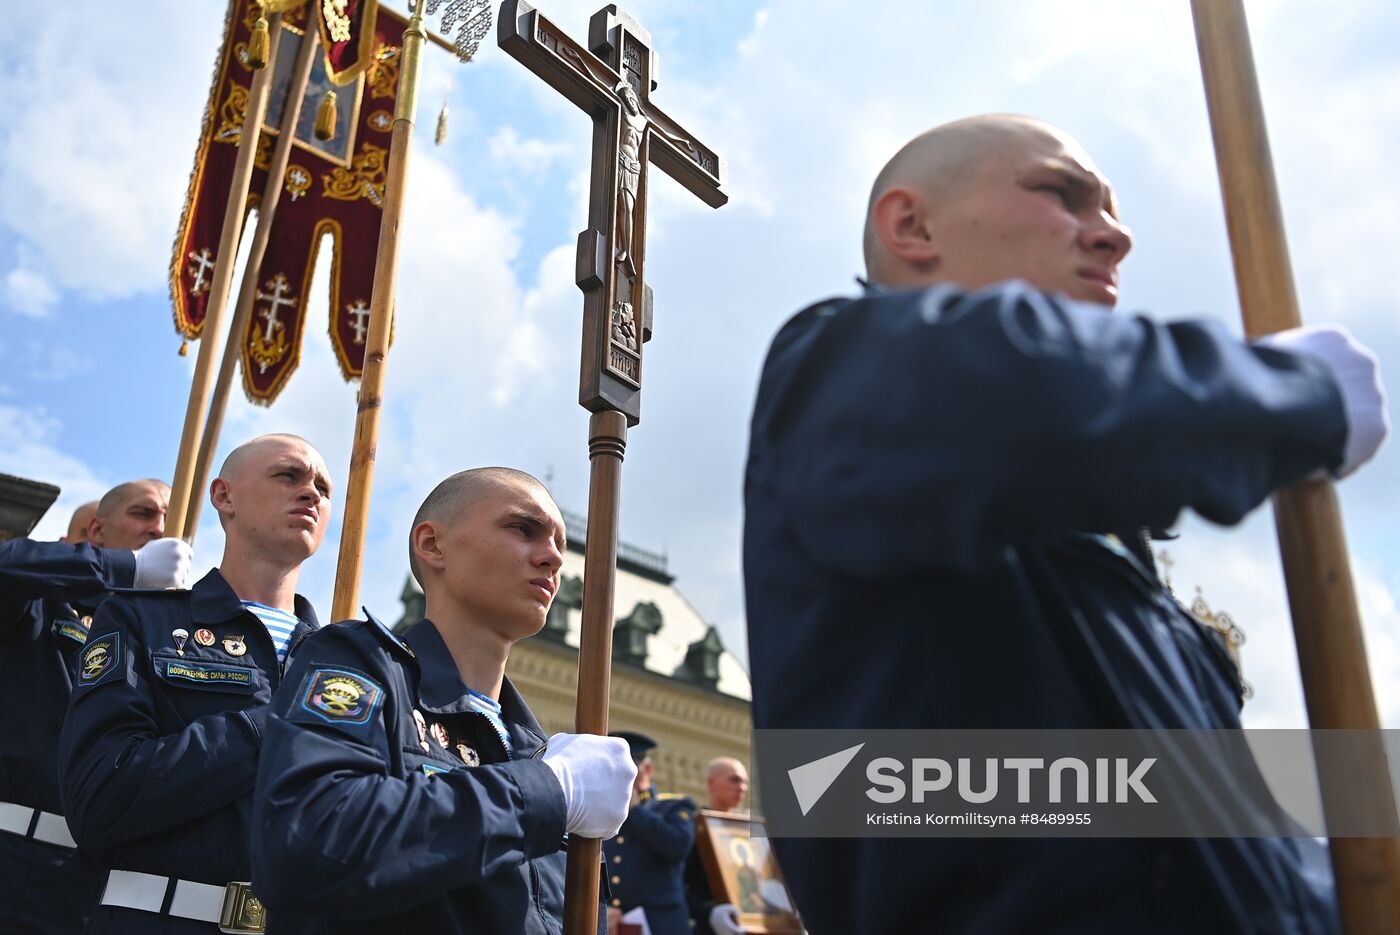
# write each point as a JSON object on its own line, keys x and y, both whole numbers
{"x": 641, "y": 744}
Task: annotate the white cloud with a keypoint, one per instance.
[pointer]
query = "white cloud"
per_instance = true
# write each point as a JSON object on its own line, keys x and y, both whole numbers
{"x": 31, "y": 447}
{"x": 29, "y": 292}
{"x": 524, "y": 155}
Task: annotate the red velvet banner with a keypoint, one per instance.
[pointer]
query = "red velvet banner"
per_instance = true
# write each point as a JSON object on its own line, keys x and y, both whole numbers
{"x": 349, "y": 46}
{"x": 334, "y": 187}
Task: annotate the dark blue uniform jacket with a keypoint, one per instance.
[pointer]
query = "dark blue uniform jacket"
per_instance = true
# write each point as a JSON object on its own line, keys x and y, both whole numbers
{"x": 369, "y": 821}
{"x": 160, "y": 748}
{"x": 46, "y": 588}
{"x": 924, "y": 469}
{"x": 646, "y": 862}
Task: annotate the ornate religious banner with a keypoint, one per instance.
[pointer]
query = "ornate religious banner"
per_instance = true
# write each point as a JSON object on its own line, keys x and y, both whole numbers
{"x": 333, "y": 186}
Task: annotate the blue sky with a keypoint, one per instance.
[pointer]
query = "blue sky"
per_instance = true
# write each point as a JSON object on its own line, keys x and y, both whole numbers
{"x": 98, "y": 128}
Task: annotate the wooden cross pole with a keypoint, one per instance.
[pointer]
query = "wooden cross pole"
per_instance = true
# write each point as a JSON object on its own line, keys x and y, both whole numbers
{"x": 612, "y": 83}
{"x": 248, "y": 289}
{"x": 181, "y": 489}
{"x": 1353, "y": 775}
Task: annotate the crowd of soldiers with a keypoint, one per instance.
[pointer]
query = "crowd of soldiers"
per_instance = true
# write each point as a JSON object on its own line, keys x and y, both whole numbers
{"x": 967, "y": 460}
{"x": 205, "y": 759}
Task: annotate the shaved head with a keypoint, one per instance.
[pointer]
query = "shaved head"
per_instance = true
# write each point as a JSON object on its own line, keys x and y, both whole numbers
{"x": 937, "y": 163}
{"x": 989, "y": 199}
{"x": 115, "y": 500}
{"x": 78, "y": 525}
{"x": 239, "y": 458}
{"x": 129, "y": 515}
{"x": 456, "y": 493}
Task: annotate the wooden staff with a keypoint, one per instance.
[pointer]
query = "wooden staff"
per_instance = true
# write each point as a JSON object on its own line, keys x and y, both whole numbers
{"x": 381, "y": 312}
{"x": 248, "y": 289}
{"x": 613, "y": 83}
{"x": 1327, "y": 626}
{"x": 181, "y": 490}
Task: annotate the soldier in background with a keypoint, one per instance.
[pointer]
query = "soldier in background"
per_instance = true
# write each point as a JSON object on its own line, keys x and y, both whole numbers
{"x": 48, "y": 594}
{"x": 728, "y": 783}
{"x": 646, "y": 861}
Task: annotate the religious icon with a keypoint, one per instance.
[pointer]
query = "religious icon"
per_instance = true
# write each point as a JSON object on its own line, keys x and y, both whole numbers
{"x": 422, "y": 725}
{"x": 743, "y": 870}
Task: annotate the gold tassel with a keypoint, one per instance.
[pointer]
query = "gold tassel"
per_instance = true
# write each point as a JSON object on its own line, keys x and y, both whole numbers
{"x": 185, "y": 348}
{"x": 326, "y": 117}
{"x": 258, "y": 42}
{"x": 441, "y": 136}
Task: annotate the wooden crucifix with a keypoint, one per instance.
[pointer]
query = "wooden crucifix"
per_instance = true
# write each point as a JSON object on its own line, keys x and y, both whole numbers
{"x": 611, "y": 81}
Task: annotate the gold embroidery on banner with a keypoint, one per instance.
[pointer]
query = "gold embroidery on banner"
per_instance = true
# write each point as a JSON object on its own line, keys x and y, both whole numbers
{"x": 262, "y": 159}
{"x": 380, "y": 120}
{"x": 268, "y": 345}
{"x": 364, "y": 179}
{"x": 337, "y": 20}
{"x": 298, "y": 180}
{"x": 231, "y": 113}
{"x": 384, "y": 71}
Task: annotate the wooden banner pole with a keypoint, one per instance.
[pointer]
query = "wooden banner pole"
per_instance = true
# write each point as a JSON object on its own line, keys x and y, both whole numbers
{"x": 1326, "y": 623}
{"x": 181, "y": 492}
{"x": 381, "y": 319}
{"x": 248, "y": 288}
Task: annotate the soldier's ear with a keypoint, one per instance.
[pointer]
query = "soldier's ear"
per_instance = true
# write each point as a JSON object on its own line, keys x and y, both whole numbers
{"x": 427, "y": 547}
{"x": 902, "y": 224}
{"x": 94, "y": 530}
{"x": 221, "y": 496}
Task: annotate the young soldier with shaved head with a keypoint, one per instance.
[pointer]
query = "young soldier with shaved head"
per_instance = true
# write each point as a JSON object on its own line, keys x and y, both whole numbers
{"x": 949, "y": 483}
{"x": 405, "y": 786}
{"x": 160, "y": 747}
{"x": 48, "y": 594}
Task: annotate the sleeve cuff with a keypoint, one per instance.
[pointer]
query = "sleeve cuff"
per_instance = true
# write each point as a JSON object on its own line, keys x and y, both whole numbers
{"x": 119, "y": 567}
{"x": 543, "y": 811}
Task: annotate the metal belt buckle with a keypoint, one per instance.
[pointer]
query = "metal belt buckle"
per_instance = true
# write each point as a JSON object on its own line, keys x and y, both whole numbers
{"x": 243, "y": 912}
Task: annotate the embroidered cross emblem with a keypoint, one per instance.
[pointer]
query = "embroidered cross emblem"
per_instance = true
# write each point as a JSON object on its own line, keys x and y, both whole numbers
{"x": 203, "y": 263}
{"x": 360, "y": 312}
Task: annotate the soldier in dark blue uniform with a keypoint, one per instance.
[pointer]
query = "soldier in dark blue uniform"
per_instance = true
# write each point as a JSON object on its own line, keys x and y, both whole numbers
{"x": 48, "y": 593}
{"x": 646, "y": 861}
{"x": 405, "y": 785}
{"x": 160, "y": 747}
{"x": 933, "y": 474}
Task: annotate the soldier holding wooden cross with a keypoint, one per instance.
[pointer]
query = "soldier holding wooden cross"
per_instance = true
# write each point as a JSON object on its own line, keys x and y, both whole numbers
{"x": 947, "y": 458}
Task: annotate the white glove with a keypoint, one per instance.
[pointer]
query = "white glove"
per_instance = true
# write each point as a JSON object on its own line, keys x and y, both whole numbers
{"x": 1354, "y": 368}
{"x": 162, "y": 563}
{"x": 724, "y": 920}
{"x": 596, "y": 774}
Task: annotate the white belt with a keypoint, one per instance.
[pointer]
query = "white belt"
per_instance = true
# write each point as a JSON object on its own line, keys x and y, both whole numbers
{"x": 233, "y": 907}
{"x": 50, "y": 828}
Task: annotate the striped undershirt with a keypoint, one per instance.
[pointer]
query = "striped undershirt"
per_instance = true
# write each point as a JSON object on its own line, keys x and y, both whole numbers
{"x": 279, "y": 623}
{"x": 492, "y": 710}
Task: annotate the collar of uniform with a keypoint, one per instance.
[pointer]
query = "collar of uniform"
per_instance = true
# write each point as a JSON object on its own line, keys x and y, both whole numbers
{"x": 442, "y": 691}
{"x": 212, "y": 600}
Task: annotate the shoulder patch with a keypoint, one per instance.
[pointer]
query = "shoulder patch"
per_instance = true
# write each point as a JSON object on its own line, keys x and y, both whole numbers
{"x": 100, "y": 658}
{"x": 71, "y": 629}
{"x": 340, "y": 696}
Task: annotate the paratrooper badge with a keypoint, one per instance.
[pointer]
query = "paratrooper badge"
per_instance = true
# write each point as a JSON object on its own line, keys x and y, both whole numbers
{"x": 340, "y": 697}
{"x": 99, "y": 659}
{"x": 234, "y": 645}
{"x": 422, "y": 726}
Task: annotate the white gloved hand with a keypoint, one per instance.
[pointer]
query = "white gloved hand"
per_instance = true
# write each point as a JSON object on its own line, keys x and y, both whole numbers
{"x": 596, "y": 774}
{"x": 162, "y": 563}
{"x": 724, "y": 920}
{"x": 1354, "y": 368}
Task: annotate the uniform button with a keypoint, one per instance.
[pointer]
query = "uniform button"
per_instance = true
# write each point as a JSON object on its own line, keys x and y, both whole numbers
{"x": 616, "y": 880}
{"x": 617, "y": 859}
{"x": 617, "y": 902}
{"x": 620, "y": 840}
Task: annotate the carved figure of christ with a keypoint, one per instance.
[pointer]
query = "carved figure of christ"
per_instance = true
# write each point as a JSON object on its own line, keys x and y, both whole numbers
{"x": 613, "y": 84}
